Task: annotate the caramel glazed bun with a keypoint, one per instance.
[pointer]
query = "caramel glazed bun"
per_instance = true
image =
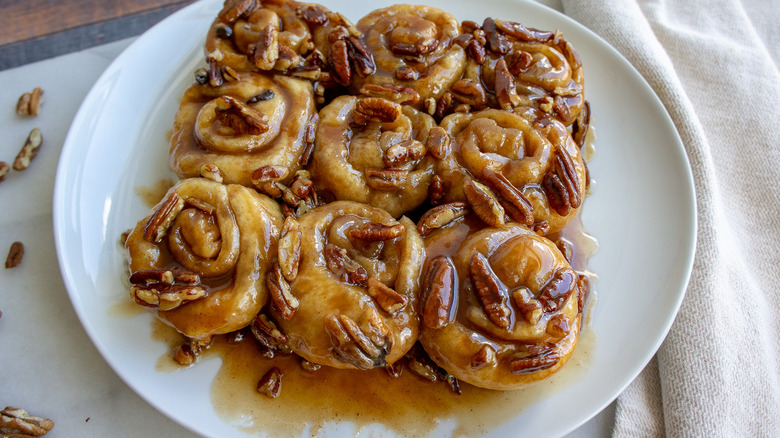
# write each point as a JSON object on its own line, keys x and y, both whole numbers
{"x": 350, "y": 275}
{"x": 199, "y": 260}
{"x": 503, "y": 310}
{"x": 532, "y": 171}
{"x": 234, "y": 129}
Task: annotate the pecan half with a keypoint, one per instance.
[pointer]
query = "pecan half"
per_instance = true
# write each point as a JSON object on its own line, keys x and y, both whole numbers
{"x": 374, "y": 232}
{"x": 517, "y": 206}
{"x": 386, "y": 179}
{"x": 266, "y": 49}
{"x": 440, "y": 216}
{"x": 393, "y": 92}
{"x": 29, "y": 150}
{"x": 361, "y": 57}
{"x": 561, "y": 183}
{"x": 210, "y": 171}
{"x": 270, "y": 385}
{"x": 375, "y": 109}
{"x": 438, "y": 288}
{"x": 579, "y": 129}
{"x": 15, "y": 254}
{"x": 158, "y": 224}
{"x": 583, "y": 289}
{"x": 557, "y": 290}
{"x": 544, "y": 359}
{"x": 388, "y": 299}
{"x": 343, "y": 266}
{"x": 163, "y": 296}
{"x": 282, "y": 299}
{"x": 529, "y": 307}
{"x": 242, "y": 118}
{"x": 506, "y": 93}
{"x": 313, "y": 14}
{"x": 18, "y": 422}
{"x": 490, "y": 292}
{"x": 234, "y": 9}
{"x": 403, "y": 153}
{"x": 477, "y": 51}
{"x": 519, "y": 62}
{"x": 29, "y": 104}
{"x": 558, "y": 326}
{"x": 438, "y": 142}
{"x": 338, "y": 57}
{"x": 497, "y": 42}
{"x": 290, "y": 248}
{"x": 363, "y": 349}
{"x": 148, "y": 276}
{"x": 486, "y": 355}
{"x": 470, "y": 92}
{"x": 484, "y": 203}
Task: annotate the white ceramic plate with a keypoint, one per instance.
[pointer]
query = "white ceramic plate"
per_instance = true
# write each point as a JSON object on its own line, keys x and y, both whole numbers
{"x": 642, "y": 210}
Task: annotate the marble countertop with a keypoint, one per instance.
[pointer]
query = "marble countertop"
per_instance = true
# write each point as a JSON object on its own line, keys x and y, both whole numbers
{"x": 48, "y": 364}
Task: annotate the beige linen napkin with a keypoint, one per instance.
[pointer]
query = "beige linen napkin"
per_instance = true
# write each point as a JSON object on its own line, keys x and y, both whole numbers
{"x": 714, "y": 64}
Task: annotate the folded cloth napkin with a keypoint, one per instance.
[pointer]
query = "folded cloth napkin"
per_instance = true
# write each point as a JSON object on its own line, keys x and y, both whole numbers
{"x": 714, "y": 65}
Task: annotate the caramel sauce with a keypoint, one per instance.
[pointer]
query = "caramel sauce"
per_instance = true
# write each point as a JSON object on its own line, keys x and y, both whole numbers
{"x": 154, "y": 194}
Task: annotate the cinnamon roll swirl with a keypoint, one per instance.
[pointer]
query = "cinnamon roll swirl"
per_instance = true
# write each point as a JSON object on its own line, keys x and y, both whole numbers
{"x": 241, "y": 126}
{"x": 535, "y": 171}
{"x": 501, "y": 309}
{"x": 374, "y": 151}
{"x": 200, "y": 259}
{"x": 413, "y": 47}
{"x": 352, "y": 290}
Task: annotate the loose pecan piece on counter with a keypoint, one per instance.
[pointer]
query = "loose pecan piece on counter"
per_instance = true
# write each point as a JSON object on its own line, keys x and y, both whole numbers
{"x": 15, "y": 254}
{"x": 18, "y": 422}
{"x": 29, "y": 150}
{"x": 29, "y": 103}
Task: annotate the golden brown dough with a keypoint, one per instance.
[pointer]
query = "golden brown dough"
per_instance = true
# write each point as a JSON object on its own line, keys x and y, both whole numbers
{"x": 241, "y": 126}
{"x": 355, "y": 287}
{"x": 413, "y": 47}
{"x": 508, "y": 154}
{"x": 199, "y": 260}
{"x": 373, "y": 151}
{"x": 501, "y": 309}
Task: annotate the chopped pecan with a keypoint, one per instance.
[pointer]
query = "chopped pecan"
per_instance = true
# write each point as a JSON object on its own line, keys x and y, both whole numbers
{"x": 188, "y": 352}
{"x": 506, "y": 93}
{"x": 529, "y": 307}
{"x": 29, "y": 104}
{"x": 443, "y": 105}
{"x": 486, "y": 355}
{"x": 522, "y": 33}
{"x": 266, "y": 49}
{"x": 536, "y": 361}
{"x": 287, "y": 58}
{"x": 517, "y": 206}
{"x": 282, "y": 299}
{"x": 374, "y": 232}
{"x": 215, "y": 78}
{"x": 557, "y": 290}
{"x": 361, "y": 57}
{"x": 229, "y": 74}
{"x": 477, "y": 51}
{"x": 561, "y": 108}
{"x": 470, "y": 92}
{"x": 541, "y": 228}
{"x": 406, "y": 74}
{"x": 338, "y": 33}
{"x": 404, "y": 152}
{"x": 583, "y": 289}
{"x": 210, "y": 171}
{"x": 430, "y": 106}
{"x": 242, "y": 118}
{"x": 561, "y": 183}
{"x": 386, "y": 179}
{"x": 468, "y": 26}
{"x": 565, "y": 247}
{"x": 290, "y": 248}
{"x": 484, "y": 203}
{"x": 496, "y": 41}
{"x": 165, "y": 296}
{"x": 147, "y": 276}
{"x": 490, "y": 292}
{"x": 268, "y": 334}
{"x": 308, "y": 72}
{"x": 343, "y": 266}
{"x": 388, "y": 299}
{"x": 158, "y": 224}
{"x": 270, "y": 385}
{"x": 310, "y": 367}
{"x": 519, "y": 62}
{"x": 4, "y": 168}
{"x": 302, "y": 186}
{"x": 29, "y": 150}
{"x": 393, "y": 92}
{"x": 363, "y": 349}
{"x": 15, "y": 254}
{"x": 440, "y": 216}
{"x": 438, "y": 142}
{"x": 313, "y": 15}
{"x": 18, "y": 422}
{"x": 234, "y": 9}
{"x": 375, "y": 109}
{"x": 436, "y": 190}
{"x": 338, "y": 57}
{"x": 394, "y": 370}
{"x": 579, "y": 129}
{"x": 558, "y": 326}
{"x": 266, "y": 179}
{"x": 438, "y": 288}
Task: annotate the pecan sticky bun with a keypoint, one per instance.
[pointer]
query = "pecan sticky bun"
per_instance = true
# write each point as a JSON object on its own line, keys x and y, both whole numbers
{"x": 506, "y": 166}
{"x": 241, "y": 126}
{"x": 524, "y": 67}
{"x": 347, "y": 286}
{"x": 374, "y": 151}
{"x": 200, "y": 259}
{"x": 501, "y": 309}
{"x": 413, "y": 47}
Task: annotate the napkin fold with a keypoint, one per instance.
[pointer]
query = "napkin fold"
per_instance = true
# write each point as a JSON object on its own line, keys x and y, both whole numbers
{"x": 714, "y": 65}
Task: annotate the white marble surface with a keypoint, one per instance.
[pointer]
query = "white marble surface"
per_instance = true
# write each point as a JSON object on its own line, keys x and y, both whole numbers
{"x": 48, "y": 365}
